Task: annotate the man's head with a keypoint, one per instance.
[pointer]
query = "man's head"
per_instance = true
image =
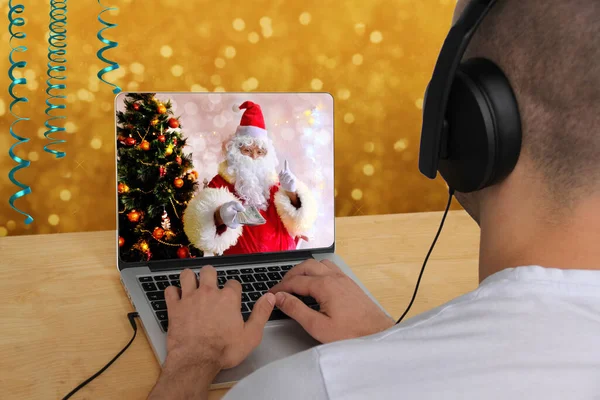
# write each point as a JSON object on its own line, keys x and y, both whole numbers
{"x": 252, "y": 161}
{"x": 549, "y": 50}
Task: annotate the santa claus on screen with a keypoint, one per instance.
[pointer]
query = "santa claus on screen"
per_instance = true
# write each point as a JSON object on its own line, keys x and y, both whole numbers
{"x": 248, "y": 177}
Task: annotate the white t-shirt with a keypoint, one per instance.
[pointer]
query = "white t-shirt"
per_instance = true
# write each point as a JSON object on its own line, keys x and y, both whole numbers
{"x": 525, "y": 333}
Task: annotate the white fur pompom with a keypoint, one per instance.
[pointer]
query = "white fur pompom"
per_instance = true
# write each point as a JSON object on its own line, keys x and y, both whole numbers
{"x": 236, "y": 107}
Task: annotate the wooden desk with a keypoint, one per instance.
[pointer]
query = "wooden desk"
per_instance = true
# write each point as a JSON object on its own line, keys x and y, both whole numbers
{"x": 63, "y": 308}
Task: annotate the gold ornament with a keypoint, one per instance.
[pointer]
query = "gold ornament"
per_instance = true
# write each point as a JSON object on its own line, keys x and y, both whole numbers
{"x": 169, "y": 150}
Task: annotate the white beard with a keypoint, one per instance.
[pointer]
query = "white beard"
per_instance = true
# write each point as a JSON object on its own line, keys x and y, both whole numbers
{"x": 253, "y": 178}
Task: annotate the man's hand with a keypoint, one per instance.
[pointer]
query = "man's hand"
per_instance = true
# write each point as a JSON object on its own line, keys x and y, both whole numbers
{"x": 346, "y": 310}
{"x": 227, "y": 214}
{"x": 206, "y": 333}
{"x": 287, "y": 179}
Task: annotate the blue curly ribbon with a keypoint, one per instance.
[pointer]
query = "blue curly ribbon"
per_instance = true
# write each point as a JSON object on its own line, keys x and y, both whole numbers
{"x": 56, "y": 56}
{"x": 109, "y": 45}
{"x": 16, "y": 22}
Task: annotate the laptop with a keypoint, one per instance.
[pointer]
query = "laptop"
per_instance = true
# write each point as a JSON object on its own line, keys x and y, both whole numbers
{"x": 183, "y": 160}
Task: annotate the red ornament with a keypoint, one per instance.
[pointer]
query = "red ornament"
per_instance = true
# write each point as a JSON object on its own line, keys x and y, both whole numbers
{"x": 178, "y": 183}
{"x": 161, "y": 138}
{"x": 162, "y": 171}
{"x": 158, "y": 233}
{"x": 178, "y": 159}
{"x": 145, "y": 145}
{"x": 121, "y": 241}
{"x": 183, "y": 252}
{"x": 173, "y": 123}
{"x": 136, "y": 106}
{"x": 175, "y": 141}
{"x": 122, "y": 188}
{"x": 130, "y": 141}
{"x": 134, "y": 216}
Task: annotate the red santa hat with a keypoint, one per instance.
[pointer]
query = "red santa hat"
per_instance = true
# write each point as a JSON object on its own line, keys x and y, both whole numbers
{"x": 252, "y": 123}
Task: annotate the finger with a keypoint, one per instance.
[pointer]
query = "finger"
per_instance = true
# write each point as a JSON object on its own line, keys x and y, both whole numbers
{"x": 286, "y": 165}
{"x": 309, "y": 268}
{"x": 331, "y": 266}
{"x": 238, "y": 207}
{"x": 302, "y": 285}
{"x": 172, "y": 296}
{"x": 207, "y": 276}
{"x": 236, "y": 287}
{"x": 304, "y": 315}
{"x": 258, "y": 318}
{"x": 189, "y": 283}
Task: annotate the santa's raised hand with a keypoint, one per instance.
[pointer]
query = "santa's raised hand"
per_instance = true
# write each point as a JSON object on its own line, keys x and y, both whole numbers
{"x": 287, "y": 179}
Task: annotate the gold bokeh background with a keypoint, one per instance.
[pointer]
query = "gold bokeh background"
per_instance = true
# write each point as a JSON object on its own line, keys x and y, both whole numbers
{"x": 374, "y": 56}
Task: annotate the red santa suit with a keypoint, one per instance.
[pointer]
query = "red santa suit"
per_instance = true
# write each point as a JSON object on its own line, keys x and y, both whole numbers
{"x": 284, "y": 222}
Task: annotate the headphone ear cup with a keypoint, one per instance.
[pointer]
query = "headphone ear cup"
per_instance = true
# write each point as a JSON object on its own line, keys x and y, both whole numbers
{"x": 484, "y": 128}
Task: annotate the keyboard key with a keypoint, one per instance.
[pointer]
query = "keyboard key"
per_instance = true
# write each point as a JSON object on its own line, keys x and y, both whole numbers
{"x": 245, "y": 308}
{"x": 277, "y": 314}
{"x": 248, "y": 278}
{"x": 251, "y": 305}
{"x": 162, "y": 285}
{"x": 247, "y": 270}
{"x": 149, "y": 287}
{"x": 276, "y": 268}
{"x": 286, "y": 267}
{"x": 282, "y": 273}
{"x": 315, "y": 307}
{"x": 220, "y": 272}
{"x": 174, "y": 277}
{"x": 245, "y": 298}
{"x": 153, "y": 296}
{"x": 246, "y": 287}
{"x": 161, "y": 278}
{"x": 162, "y": 315}
{"x": 221, "y": 280}
{"x": 245, "y": 315}
{"x": 254, "y": 296}
{"x": 274, "y": 276}
{"x": 261, "y": 286}
{"x": 233, "y": 272}
{"x": 261, "y": 277}
{"x": 159, "y": 305}
{"x": 145, "y": 279}
{"x": 307, "y": 300}
{"x": 235, "y": 277}
{"x": 260, "y": 269}
{"x": 271, "y": 284}
{"x": 165, "y": 325}
{"x": 176, "y": 283}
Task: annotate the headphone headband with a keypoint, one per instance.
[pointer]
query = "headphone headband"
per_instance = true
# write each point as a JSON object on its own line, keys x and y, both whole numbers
{"x": 438, "y": 90}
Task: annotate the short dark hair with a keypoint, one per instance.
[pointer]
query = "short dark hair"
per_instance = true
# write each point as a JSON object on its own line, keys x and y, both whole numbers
{"x": 550, "y": 52}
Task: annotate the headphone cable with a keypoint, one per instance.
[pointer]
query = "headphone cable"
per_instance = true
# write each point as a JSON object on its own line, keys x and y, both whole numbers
{"x": 450, "y": 195}
{"x": 131, "y": 316}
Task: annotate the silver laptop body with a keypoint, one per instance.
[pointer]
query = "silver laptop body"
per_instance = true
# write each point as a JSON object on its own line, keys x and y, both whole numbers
{"x": 281, "y": 338}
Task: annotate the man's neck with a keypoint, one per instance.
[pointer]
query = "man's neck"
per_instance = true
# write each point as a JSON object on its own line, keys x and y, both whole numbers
{"x": 520, "y": 231}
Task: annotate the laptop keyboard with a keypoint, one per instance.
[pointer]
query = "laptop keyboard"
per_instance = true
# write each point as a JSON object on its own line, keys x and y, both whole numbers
{"x": 255, "y": 282}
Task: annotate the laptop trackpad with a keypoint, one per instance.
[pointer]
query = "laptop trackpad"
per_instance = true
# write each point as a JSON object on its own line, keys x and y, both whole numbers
{"x": 280, "y": 339}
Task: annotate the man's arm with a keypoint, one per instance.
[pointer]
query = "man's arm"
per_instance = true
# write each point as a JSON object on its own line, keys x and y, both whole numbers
{"x": 182, "y": 380}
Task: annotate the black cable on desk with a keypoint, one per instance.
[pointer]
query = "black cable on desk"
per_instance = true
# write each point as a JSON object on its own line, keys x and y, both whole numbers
{"x": 450, "y": 194}
{"x": 131, "y": 316}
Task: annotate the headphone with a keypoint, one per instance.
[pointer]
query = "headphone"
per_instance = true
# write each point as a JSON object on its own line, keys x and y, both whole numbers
{"x": 471, "y": 129}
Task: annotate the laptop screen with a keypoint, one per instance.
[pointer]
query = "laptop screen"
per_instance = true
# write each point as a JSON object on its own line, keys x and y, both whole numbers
{"x": 221, "y": 174}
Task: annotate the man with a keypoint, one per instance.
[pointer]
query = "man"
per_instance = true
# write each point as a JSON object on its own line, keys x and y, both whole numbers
{"x": 247, "y": 178}
{"x": 530, "y": 331}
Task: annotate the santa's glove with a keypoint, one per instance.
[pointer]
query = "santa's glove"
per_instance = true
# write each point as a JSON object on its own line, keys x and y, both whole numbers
{"x": 228, "y": 213}
{"x": 287, "y": 179}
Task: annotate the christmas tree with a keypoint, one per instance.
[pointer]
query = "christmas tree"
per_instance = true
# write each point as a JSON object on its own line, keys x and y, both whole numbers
{"x": 155, "y": 181}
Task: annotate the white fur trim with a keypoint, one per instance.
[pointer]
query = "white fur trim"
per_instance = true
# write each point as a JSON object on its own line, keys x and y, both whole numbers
{"x": 252, "y": 131}
{"x": 297, "y": 220}
{"x": 199, "y": 221}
